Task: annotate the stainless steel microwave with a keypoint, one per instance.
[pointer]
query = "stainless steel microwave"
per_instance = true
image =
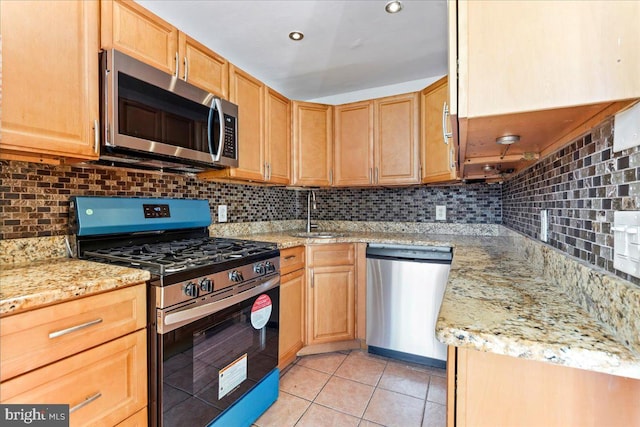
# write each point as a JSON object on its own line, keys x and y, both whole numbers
{"x": 154, "y": 120}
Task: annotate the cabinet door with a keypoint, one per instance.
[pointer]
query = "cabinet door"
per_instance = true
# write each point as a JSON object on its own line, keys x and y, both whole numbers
{"x": 312, "y": 144}
{"x": 132, "y": 29}
{"x": 202, "y": 67}
{"x": 438, "y": 163}
{"x": 278, "y": 138}
{"x": 397, "y": 140}
{"x": 534, "y": 393}
{"x": 248, "y": 93}
{"x": 353, "y": 149}
{"x": 331, "y": 304}
{"x": 291, "y": 317}
{"x": 49, "y": 80}
{"x": 102, "y": 386}
{"x": 542, "y": 57}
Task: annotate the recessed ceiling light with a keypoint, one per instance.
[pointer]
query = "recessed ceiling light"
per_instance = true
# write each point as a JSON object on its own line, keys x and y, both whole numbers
{"x": 393, "y": 6}
{"x": 508, "y": 139}
{"x": 296, "y": 36}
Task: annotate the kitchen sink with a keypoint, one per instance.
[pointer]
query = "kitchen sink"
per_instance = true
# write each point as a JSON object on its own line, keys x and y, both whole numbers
{"x": 317, "y": 234}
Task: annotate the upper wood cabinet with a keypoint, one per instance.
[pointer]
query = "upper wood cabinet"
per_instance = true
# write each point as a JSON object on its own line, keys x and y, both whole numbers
{"x": 264, "y": 129}
{"x": 438, "y": 150}
{"x": 248, "y": 93}
{"x": 49, "y": 81}
{"x": 397, "y": 140}
{"x": 353, "y": 160}
{"x": 132, "y": 29}
{"x": 312, "y": 144}
{"x": 278, "y": 137}
{"x": 548, "y": 73}
{"x": 203, "y": 67}
{"x": 377, "y": 142}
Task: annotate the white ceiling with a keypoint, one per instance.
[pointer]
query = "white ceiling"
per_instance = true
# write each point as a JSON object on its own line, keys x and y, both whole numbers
{"x": 352, "y": 49}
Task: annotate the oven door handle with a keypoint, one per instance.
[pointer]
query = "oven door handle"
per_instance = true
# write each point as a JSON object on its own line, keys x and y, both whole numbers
{"x": 175, "y": 319}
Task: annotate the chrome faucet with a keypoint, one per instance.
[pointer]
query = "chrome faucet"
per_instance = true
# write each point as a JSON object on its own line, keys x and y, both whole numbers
{"x": 311, "y": 198}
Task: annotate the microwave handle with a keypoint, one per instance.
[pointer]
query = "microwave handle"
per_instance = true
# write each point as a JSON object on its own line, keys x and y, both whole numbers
{"x": 216, "y": 105}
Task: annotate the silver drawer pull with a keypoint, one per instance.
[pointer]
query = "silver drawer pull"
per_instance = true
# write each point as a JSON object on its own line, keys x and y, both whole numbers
{"x": 85, "y": 402}
{"x": 289, "y": 257}
{"x": 62, "y": 332}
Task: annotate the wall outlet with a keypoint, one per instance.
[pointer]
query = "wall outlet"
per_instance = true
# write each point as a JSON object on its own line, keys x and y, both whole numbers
{"x": 441, "y": 213}
{"x": 222, "y": 213}
{"x": 626, "y": 133}
{"x": 544, "y": 225}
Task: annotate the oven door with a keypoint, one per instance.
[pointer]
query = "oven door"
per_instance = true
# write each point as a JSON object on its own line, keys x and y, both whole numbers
{"x": 205, "y": 366}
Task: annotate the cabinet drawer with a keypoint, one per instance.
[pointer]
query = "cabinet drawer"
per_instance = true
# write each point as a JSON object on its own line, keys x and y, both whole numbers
{"x": 331, "y": 255}
{"x": 36, "y": 338}
{"x": 139, "y": 419}
{"x": 102, "y": 386}
{"x": 291, "y": 259}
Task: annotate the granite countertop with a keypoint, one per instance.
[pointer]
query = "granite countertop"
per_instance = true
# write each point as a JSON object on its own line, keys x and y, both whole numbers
{"x": 497, "y": 301}
{"x": 40, "y": 283}
{"x": 498, "y": 298}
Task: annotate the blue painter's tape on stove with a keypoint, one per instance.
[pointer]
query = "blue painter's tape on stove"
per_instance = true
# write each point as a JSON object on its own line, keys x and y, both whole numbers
{"x": 248, "y": 409}
{"x": 96, "y": 216}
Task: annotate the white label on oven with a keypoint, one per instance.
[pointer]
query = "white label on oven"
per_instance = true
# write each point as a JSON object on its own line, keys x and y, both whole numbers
{"x": 261, "y": 311}
{"x": 232, "y": 375}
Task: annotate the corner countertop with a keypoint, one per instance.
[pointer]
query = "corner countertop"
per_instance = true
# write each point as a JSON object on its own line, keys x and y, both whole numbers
{"x": 497, "y": 301}
{"x": 40, "y": 283}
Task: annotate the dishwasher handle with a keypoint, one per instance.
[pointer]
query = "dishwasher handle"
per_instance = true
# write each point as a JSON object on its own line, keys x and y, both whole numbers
{"x": 432, "y": 254}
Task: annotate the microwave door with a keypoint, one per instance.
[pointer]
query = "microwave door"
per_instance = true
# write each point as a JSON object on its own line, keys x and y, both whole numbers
{"x": 216, "y": 129}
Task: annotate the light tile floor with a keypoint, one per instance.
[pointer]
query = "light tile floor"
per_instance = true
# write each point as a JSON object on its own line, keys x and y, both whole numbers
{"x": 358, "y": 389}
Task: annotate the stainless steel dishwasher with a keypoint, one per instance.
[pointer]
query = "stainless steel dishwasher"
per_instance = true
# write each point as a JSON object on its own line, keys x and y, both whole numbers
{"x": 405, "y": 285}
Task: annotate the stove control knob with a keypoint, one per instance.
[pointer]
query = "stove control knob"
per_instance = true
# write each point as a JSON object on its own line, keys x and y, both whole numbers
{"x": 191, "y": 290}
{"x": 206, "y": 285}
{"x": 259, "y": 268}
{"x": 236, "y": 276}
{"x": 269, "y": 267}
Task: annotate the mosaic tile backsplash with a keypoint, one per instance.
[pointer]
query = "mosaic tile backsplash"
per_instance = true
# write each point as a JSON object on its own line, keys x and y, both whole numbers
{"x": 581, "y": 186}
{"x": 34, "y": 198}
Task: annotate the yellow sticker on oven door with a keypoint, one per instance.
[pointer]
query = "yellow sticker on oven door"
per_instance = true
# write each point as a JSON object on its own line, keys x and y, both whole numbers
{"x": 261, "y": 311}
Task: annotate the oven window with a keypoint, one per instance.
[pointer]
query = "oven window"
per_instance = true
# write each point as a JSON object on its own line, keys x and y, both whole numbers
{"x": 209, "y": 364}
{"x": 148, "y": 112}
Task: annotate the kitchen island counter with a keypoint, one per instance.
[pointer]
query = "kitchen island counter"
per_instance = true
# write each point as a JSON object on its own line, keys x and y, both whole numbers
{"x": 501, "y": 299}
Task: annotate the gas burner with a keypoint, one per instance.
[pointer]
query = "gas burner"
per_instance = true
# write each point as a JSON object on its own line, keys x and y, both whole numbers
{"x": 174, "y": 256}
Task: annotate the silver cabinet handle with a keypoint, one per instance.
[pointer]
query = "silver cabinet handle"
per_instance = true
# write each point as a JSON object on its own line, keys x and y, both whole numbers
{"x": 330, "y": 176}
{"x": 85, "y": 402}
{"x": 445, "y": 113}
{"x": 268, "y": 171}
{"x": 289, "y": 257}
{"x": 62, "y": 332}
{"x": 186, "y": 68}
{"x": 177, "y": 66}
{"x": 266, "y": 174}
{"x": 452, "y": 162}
{"x": 370, "y": 175}
{"x": 311, "y": 272}
{"x": 376, "y": 175}
{"x": 96, "y": 136}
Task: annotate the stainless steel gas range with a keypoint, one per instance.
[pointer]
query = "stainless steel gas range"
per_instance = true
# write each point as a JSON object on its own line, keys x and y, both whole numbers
{"x": 213, "y": 306}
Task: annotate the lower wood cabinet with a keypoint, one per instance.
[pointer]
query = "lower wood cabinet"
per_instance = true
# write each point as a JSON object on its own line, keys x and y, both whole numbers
{"x": 292, "y": 296}
{"x": 102, "y": 386}
{"x": 331, "y": 277}
{"x": 89, "y": 353}
{"x": 496, "y": 390}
